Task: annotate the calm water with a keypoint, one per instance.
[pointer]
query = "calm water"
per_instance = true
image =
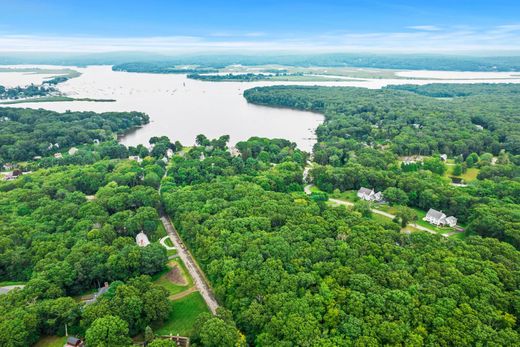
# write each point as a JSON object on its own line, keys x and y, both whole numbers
{"x": 181, "y": 108}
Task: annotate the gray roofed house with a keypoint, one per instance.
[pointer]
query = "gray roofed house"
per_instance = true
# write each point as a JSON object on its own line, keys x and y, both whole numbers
{"x": 439, "y": 218}
{"x": 74, "y": 342}
{"x": 369, "y": 194}
{"x": 451, "y": 221}
{"x": 435, "y": 217}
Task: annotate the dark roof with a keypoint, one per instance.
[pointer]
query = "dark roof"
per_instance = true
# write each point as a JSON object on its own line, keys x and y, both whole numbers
{"x": 71, "y": 340}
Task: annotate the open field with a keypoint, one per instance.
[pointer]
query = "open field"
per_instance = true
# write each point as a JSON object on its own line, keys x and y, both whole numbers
{"x": 183, "y": 315}
{"x": 175, "y": 278}
{"x": 51, "y": 341}
{"x": 469, "y": 176}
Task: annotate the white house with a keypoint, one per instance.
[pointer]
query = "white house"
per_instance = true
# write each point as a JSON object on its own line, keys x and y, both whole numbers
{"x": 142, "y": 240}
{"x": 451, "y": 221}
{"x": 135, "y": 158}
{"x": 58, "y": 155}
{"x": 169, "y": 152}
{"x": 369, "y": 194}
{"x": 438, "y": 218}
{"x": 444, "y": 157}
{"x": 234, "y": 151}
{"x": 73, "y": 151}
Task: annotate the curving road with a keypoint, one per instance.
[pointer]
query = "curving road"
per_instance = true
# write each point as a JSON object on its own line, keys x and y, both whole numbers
{"x": 196, "y": 273}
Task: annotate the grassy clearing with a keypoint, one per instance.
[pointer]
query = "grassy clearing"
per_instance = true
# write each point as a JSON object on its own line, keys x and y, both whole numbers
{"x": 183, "y": 314}
{"x": 51, "y": 341}
{"x": 11, "y": 283}
{"x": 459, "y": 236}
{"x": 348, "y": 195}
{"x": 168, "y": 242}
{"x": 171, "y": 252}
{"x": 173, "y": 288}
{"x": 469, "y": 176}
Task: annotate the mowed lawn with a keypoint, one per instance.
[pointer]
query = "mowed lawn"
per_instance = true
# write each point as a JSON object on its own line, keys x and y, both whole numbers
{"x": 165, "y": 281}
{"x": 469, "y": 176}
{"x": 183, "y": 314}
{"x": 51, "y": 341}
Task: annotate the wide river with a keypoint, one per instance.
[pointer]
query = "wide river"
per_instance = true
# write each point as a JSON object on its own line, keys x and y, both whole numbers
{"x": 182, "y": 108}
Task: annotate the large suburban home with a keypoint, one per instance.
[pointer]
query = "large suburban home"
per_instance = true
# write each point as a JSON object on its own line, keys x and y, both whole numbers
{"x": 440, "y": 219}
{"x": 369, "y": 194}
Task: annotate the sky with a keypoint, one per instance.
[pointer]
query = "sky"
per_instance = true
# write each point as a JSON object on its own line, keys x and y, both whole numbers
{"x": 436, "y": 26}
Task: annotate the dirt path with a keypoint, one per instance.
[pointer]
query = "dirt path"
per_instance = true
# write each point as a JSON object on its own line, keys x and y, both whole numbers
{"x": 196, "y": 273}
{"x": 182, "y": 294}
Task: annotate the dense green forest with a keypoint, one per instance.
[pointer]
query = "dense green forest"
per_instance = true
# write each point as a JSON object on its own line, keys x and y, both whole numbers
{"x": 366, "y": 130}
{"x": 62, "y": 244}
{"x": 287, "y": 268}
{"x": 295, "y": 272}
{"x": 27, "y": 133}
{"x": 165, "y": 68}
{"x": 410, "y": 123}
{"x": 165, "y": 64}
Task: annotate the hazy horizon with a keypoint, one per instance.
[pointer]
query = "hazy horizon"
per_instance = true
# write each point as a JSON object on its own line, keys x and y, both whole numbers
{"x": 303, "y": 27}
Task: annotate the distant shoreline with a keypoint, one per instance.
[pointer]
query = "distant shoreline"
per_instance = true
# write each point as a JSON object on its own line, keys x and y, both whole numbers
{"x": 53, "y": 99}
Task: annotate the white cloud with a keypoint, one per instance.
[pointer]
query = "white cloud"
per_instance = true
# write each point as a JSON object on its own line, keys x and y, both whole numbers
{"x": 425, "y": 27}
{"x": 456, "y": 39}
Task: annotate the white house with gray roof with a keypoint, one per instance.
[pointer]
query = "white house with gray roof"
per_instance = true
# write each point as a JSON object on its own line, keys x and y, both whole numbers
{"x": 369, "y": 194}
{"x": 439, "y": 218}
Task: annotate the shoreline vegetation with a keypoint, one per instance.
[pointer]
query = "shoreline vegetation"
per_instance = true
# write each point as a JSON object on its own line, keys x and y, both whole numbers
{"x": 57, "y": 98}
{"x": 45, "y": 92}
{"x": 253, "y": 77}
{"x": 334, "y": 60}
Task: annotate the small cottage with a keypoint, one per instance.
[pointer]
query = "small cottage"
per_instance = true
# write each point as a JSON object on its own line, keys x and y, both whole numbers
{"x": 73, "y": 151}
{"x": 142, "y": 240}
{"x": 74, "y": 342}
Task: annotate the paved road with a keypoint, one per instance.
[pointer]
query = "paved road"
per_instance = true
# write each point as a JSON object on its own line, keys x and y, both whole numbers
{"x": 307, "y": 190}
{"x": 195, "y": 272}
{"x": 163, "y": 243}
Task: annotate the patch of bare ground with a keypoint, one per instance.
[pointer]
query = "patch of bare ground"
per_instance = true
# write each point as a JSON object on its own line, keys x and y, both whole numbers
{"x": 176, "y": 276}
